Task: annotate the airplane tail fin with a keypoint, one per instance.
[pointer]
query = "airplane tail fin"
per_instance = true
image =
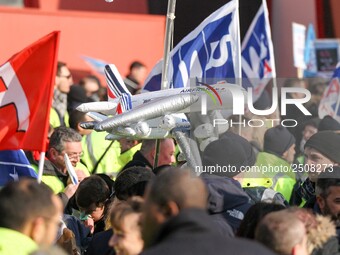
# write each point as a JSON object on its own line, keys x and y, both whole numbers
{"x": 117, "y": 89}
{"x": 124, "y": 103}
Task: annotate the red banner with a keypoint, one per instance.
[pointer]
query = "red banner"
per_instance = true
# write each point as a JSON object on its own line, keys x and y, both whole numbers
{"x": 26, "y": 89}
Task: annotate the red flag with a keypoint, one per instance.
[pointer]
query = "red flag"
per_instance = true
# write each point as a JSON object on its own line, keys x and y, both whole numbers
{"x": 26, "y": 87}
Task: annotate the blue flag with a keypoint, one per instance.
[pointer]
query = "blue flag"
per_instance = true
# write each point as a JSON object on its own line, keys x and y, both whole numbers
{"x": 13, "y": 165}
{"x": 258, "y": 65}
{"x": 210, "y": 51}
{"x": 310, "y": 58}
{"x": 330, "y": 102}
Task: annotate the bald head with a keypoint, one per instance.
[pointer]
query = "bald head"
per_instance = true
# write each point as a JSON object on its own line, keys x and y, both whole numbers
{"x": 166, "y": 154}
{"x": 281, "y": 232}
{"x": 178, "y": 186}
{"x": 172, "y": 191}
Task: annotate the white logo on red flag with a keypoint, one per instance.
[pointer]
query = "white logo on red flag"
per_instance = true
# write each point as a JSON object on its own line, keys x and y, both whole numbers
{"x": 26, "y": 88}
{"x": 14, "y": 94}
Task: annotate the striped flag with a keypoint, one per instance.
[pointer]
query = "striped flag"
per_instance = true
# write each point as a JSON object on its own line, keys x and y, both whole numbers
{"x": 212, "y": 50}
{"x": 258, "y": 64}
{"x": 330, "y": 102}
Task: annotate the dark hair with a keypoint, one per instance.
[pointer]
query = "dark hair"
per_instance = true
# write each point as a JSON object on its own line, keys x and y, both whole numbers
{"x": 90, "y": 77}
{"x": 329, "y": 178}
{"x": 23, "y": 201}
{"x": 136, "y": 64}
{"x": 253, "y": 216}
{"x": 59, "y": 66}
{"x": 75, "y": 118}
{"x": 132, "y": 182}
{"x": 159, "y": 169}
{"x": 62, "y": 135}
{"x": 92, "y": 191}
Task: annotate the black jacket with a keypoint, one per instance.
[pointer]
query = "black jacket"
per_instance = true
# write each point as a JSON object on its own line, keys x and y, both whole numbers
{"x": 99, "y": 244}
{"x": 138, "y": 160}
{"x": 227, "y": 199}
{"x": 192, "y": 232}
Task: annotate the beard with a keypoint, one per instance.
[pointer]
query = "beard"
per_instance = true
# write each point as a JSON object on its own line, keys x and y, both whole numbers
{"x": 334, "y": 217}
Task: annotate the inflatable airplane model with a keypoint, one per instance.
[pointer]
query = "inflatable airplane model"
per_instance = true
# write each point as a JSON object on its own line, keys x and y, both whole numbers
{"x": 153, "y": 115}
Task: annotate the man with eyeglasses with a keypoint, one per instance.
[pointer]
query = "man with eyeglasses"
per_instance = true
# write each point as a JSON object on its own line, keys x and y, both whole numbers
{"x": 63, "y": 81}
{"x": 63, "y": 141}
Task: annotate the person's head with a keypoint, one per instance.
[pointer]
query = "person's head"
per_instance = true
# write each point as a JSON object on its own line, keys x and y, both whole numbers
{"x": 64, "y": 141}
{"x": 321, "y": 234}
{"x": 321, "y": 150}
{"x": 125, "y": 218}
{"x": 310, "y": 127}
{"x": 132, "y": 182}
{"x": 282, "y": 233}
{"x": 75, "y": 97}
{"x": 328, "y": 124}
{"x": 138, "y": 71}
{"x": 327, "y": 192}
{"x": 127, "y": 144}
{"x": 166, "y": 151}
{"x": 317, "y": 86}
{"x": 32, "y": 209}
{"x": 254, "y": 215}
{"x": 167, "y": 195}
{"x": 246, "y": 131}
{"x": 91, "y": 84}
{"x": 76, "y": 118}
{"x": 296, "y": 83}
{"x": 92, "y": 197}
{"x": 63, "y": 79}
{"x": 279, "y": 141}
{"x": 230, "y": 150}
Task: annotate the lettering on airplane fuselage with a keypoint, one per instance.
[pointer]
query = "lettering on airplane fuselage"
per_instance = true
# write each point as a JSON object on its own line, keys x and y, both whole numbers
{"x": 200, "y": 89}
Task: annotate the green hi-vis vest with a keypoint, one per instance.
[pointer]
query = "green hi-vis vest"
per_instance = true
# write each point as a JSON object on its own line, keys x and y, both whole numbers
{"x": 127, "y": 156}
{"x": 94, "y": 146}
{"x": 280, "y": 178}
{"x": 14, "y": 243}
{"x": 55, "y": 121}
{"x": 53, "y": 181}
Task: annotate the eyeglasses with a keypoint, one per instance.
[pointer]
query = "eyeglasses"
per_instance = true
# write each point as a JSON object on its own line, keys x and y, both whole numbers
{"x": 72, "y": 155}
{"x": 66, "y": 76}
{"x": 75, "y": 155}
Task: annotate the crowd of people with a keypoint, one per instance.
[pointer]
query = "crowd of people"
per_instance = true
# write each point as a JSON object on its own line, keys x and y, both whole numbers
{"x": 264, "y": 190}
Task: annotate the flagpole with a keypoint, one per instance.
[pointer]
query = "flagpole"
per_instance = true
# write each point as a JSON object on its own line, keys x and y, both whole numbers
{"x": 41, "y": 166}
{"x": 170, "y": 17}
{"x": 271, "y": 48}
{"x": 239, "y": 67}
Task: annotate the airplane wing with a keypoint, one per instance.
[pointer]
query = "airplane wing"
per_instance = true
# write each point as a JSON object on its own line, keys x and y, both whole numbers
{"x": 150, "y": 110}
{"x": 108, "y": 108}
{"x": 157, "y": 128}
